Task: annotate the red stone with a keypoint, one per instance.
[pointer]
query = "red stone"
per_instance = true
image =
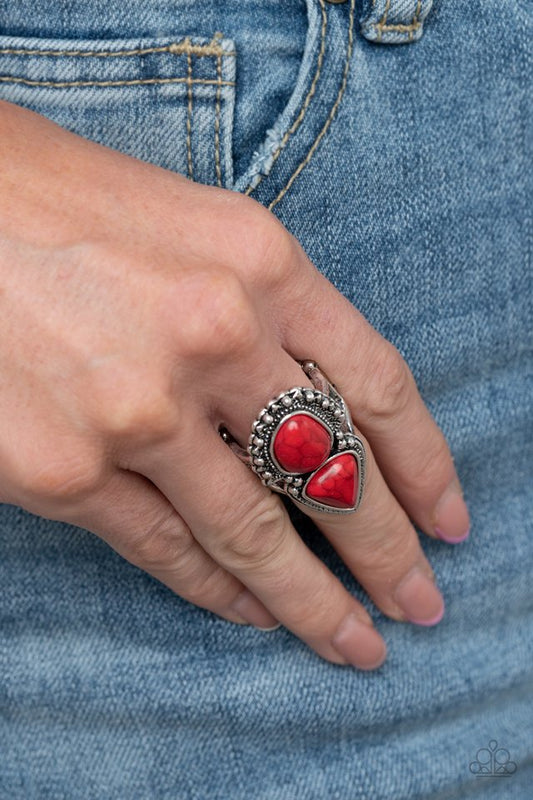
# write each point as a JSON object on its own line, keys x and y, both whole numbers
{"x": 301, "y": 444}
{"x": 335, "y": 484}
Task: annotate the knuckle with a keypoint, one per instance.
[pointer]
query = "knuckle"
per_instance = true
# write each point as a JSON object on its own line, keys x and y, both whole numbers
{"x": 430, "y": 466}
{"x": 68, "y": 478}
{"x": 257, "y": 539}
{"x": 145, "y": 416}
{"x": 163, "y": 543}
{"x": 389, "y": 555}
{"x": 201, "y": 587}
{"x": 261, "y": 248}
{"x": 391, "y": 381}
{"x": 386, "y": 550}
{"x": 218, "y": 318}
{"x": 315, "y": 612}
{"x": 133, "y": 403}
{"x": 273, "y": 248}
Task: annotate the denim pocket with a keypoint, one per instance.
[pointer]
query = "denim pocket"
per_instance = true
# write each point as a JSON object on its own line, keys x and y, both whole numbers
{"x": 165, "y": 100}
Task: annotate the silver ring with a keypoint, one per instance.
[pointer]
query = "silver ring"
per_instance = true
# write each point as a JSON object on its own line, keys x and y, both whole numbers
{"x": 303, "y": 444}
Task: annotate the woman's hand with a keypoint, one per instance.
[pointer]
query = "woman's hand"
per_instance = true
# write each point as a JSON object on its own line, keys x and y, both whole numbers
{"x": 138, "y": 313}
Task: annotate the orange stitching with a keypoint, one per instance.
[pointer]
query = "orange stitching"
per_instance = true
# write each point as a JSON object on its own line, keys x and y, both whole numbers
{"x": 305, "y": 105}
{"x": 189, "y": 115}
{"x": 211, "y": 49}
{"x": 217, "y": 123}
{"x": 176, "y": 48}
{"x": 383, "y": 20}
{"x": 414, "y": 25}
{"x": 138, "y": 82}
{"x": 332, "y": 113}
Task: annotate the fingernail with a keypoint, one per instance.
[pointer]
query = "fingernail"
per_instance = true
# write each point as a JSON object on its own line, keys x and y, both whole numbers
{"x": 359, "y": 643}
{"x": 451, "y": 518}
{"x": 419, "y": 598}
{"x": 252, "y": 611}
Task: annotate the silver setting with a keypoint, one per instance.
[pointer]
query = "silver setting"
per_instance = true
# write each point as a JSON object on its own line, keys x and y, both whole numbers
{"x": 323, "y": 404}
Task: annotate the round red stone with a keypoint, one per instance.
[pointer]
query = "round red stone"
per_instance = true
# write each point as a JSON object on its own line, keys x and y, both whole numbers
{"x": 335, "y": 484}
{"x": 301, "y": 444}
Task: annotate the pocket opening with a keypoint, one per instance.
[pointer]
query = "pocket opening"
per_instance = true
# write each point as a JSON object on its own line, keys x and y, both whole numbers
{"x": 290, "y": 119}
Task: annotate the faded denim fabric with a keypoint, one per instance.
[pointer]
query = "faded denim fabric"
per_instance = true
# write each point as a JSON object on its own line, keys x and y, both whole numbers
{"x": 405, "y": 172}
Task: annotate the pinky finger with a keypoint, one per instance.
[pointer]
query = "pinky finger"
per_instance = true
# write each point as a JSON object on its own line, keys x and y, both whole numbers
{"x": 139, "y": 522}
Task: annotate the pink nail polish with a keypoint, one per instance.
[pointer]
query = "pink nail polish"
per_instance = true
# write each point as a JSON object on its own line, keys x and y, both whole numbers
{"x": 359, "y": 643}
{"x": 247, "y": 606}
{"x": 451, "y": 518}
{"x": 419, "y": 598}
{"x": 451, "y": 540}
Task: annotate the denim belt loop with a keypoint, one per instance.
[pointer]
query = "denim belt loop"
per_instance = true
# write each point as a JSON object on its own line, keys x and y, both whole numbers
{"x": 395, "y": 21}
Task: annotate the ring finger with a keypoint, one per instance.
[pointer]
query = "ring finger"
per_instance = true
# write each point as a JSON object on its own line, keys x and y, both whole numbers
{"x": 245, "y": 528}
{"x": 378, "y": 543}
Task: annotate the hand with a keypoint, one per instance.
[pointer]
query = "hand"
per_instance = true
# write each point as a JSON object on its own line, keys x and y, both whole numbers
{"x": 139, "y": 313}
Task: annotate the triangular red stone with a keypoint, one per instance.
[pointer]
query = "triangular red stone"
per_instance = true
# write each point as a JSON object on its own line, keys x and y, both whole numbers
{"x": 335, "y": 483}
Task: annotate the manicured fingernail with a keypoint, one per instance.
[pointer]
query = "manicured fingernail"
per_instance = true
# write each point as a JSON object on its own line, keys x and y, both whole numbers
{"x": 251, "y": 610}
{"x": 272, "y": 628}
{"x": 359, "y": 643}
{"x": 451, "y": 518}
{"x": 419, "y": 598}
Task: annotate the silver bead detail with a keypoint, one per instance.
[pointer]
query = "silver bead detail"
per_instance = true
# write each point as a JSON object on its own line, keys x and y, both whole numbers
{"x": 287, "y": 401}
{"x": 258, "y": 442}
{"x": 267, "y": 419}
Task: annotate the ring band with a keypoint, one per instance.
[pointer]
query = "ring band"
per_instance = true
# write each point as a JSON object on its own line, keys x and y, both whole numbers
{"x": 303, "y": 444}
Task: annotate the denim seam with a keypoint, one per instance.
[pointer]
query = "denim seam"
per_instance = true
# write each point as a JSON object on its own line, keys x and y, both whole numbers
{"x": 175, "y": 48}
{"x": 331, "y": 115}
{"x": 136, "y": 82}
{"x": 189, "y": 116}
{"x": 409, "y": 28}
{"x": 307, "y": 100}
{"x": 183, "y": 47}
{"x": 218, "y": 169}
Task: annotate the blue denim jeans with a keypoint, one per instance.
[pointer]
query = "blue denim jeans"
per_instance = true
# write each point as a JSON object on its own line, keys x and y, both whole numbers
{"x": 391, "y": 137}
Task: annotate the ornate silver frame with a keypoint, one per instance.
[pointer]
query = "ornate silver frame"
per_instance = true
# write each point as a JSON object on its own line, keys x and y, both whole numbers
{"x": 323, "y": 403}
